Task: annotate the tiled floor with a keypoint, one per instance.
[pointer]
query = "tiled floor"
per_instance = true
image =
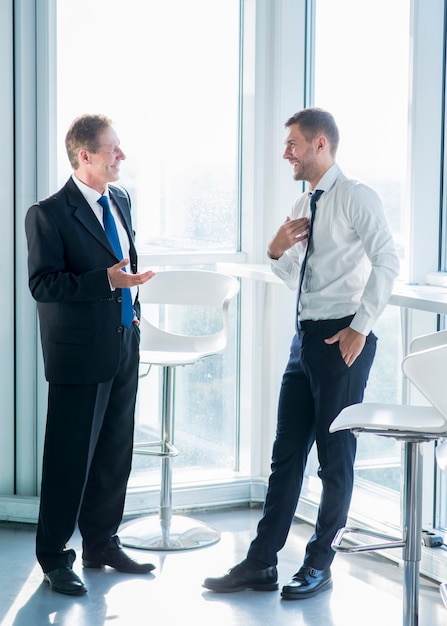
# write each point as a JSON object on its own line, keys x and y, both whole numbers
{"x": 367, "y": 589}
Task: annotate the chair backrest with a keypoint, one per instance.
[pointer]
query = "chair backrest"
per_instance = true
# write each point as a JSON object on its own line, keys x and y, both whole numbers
{"x": 423, "y": 342}
{"x": 201, "y": 287}
{"x": 191, "y": 288}
{"x": 426, "y": 369}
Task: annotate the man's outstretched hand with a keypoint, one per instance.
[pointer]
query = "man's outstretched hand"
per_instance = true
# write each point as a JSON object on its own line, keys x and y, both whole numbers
{"x": 121, "y": 279}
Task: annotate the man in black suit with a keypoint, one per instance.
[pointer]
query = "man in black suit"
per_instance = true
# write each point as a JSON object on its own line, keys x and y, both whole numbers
{"x": 85, "y": 282}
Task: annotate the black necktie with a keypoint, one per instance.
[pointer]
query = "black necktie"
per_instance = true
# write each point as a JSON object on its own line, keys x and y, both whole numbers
{"x": 313, "y": 207}
{"x": 127, "y": 314}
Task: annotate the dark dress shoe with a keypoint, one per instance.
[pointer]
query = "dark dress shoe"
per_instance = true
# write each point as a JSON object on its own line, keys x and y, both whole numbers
{"x": 307, "y": 582}
{"x": 64, "y": 580}
{"x": 114, "y": 556}
{"x": 244, "y": 576}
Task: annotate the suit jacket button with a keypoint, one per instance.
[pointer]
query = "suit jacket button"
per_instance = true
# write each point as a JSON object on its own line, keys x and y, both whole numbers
{"x": 119, "y": 329}
{"x": 119, "y": 299}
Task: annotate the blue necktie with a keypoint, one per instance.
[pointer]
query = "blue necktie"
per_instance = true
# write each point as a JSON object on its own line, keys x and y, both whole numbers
{"x": 127, "y": 314}
{"x": 313, "y": 207}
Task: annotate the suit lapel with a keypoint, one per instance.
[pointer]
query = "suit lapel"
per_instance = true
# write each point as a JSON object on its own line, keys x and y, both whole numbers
{"x": 83, "y": 212}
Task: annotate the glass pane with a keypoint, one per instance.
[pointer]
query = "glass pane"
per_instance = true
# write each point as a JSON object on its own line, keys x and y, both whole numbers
{"x": 170, "y": 82}
{"x": 361, "y": 76}
{"x": 441, "y": 475}
{"x": 204, "y": 404}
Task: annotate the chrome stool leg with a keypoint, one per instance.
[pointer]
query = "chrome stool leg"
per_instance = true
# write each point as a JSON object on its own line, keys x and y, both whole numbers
{"x": 411, "y": 528}
{"x": 412, "y": 525}
{"x": 169, "y": 532}
{"x": 167, "y": 426}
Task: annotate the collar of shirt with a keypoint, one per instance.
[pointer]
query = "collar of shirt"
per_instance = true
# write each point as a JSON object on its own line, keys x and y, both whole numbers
{"x": 327, "y": 181}
{"x": 92, "y": 197}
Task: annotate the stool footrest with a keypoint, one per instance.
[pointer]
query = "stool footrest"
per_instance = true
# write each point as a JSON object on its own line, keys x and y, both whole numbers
{"x": 389, "y": 542}
{"x": 166, "y": 449}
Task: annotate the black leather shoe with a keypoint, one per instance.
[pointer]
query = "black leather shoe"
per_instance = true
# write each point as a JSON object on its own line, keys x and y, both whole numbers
{"x": 307, "y": 582}
{"x": 64, "y": 580}
{"x": 241, "y": 577}
{"x": 114, "y": 556}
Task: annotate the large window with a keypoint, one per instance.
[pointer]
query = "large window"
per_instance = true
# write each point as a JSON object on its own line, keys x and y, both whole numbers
{"x": 167, "y": 73}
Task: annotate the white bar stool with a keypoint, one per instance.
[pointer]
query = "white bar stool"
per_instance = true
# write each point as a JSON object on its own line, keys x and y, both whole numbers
{"x": 425, "y": 368}
{"x": 169, "y": 350}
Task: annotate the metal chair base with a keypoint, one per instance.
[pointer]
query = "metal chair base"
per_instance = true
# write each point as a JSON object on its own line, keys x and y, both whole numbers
{"x": 183, "y": 533}
{"x": 166, "y": 531}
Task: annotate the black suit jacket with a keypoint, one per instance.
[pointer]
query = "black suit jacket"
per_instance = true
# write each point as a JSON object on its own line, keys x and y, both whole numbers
{"x": 68, "y": 257}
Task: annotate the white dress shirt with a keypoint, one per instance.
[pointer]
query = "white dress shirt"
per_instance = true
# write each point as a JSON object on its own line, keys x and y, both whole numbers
{"x": 353, "y": 262}
{"x": 92, "y": 196}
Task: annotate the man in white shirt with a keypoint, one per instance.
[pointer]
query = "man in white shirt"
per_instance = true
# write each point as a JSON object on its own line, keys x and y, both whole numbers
{"x": 344, "y": 271}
